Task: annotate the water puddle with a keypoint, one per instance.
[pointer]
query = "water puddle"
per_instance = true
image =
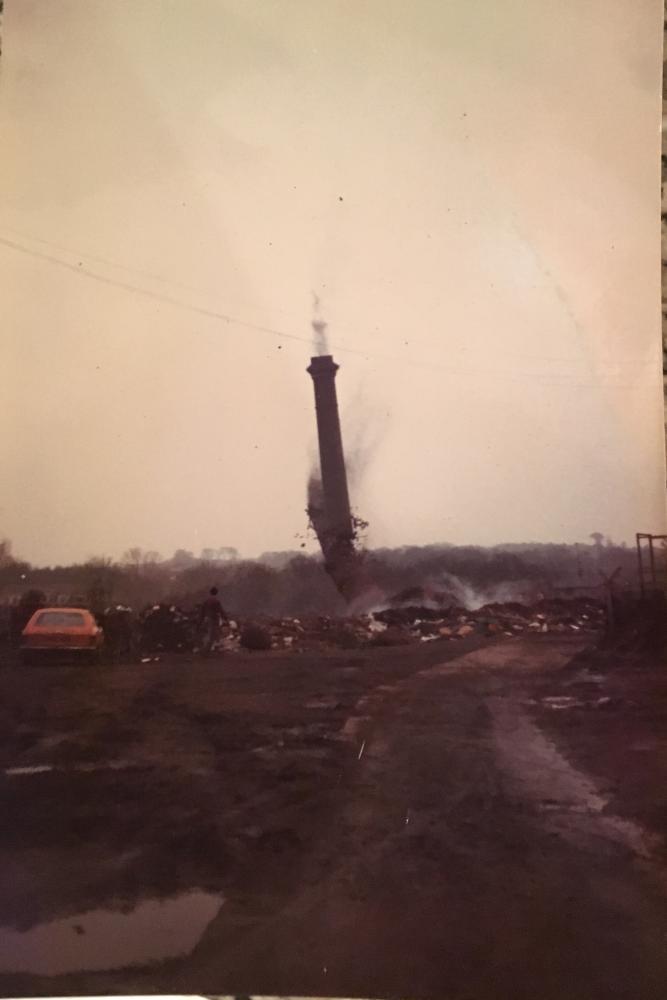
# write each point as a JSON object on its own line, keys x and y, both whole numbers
{"x": 326, "y": 702}
{"x": 111, "y": 765}
{"x": 561, "y": 702}
{"x": 18, "y": 772}
{"x": 110, "y": 939}
{"x": 569, "y": 797}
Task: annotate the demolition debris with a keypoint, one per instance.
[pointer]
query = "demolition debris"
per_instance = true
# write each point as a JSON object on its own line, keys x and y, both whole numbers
{"x": 172, "y": 629}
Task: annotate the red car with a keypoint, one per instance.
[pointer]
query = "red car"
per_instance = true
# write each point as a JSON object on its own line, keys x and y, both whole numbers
{"x": 73, "y": 631}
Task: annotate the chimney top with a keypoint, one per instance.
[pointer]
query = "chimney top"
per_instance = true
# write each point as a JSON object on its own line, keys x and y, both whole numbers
{"x": 323, "y": 364}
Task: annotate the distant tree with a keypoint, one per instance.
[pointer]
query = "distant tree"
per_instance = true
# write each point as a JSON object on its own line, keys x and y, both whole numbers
{"x": 252, "y": 589}
{"x": 6, "y": 557}
{"x": 133, "y": 558}
{"x": 32, "y": 599}
{"x": 597, "y": 537}
{"x": 151, "y": 558}
{"x": 29, "y": 602}
{"x": 228, "y": 553}
{"x": 304, "y": 588}
{"x": 183, "y": 559}
{"x": 99, "y": 579}
{"x": 224, "y": 554}
{"x": 98, "y": 597}
{"x": 11, "y": 572}
{"x": 100, "y": 562}
{"x": 278, "y": 560}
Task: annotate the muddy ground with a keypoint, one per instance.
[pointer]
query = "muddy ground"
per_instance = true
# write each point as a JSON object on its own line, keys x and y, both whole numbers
{"x": 469, "y": 819}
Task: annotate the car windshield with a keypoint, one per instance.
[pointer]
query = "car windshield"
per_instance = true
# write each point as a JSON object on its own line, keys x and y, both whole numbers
{"x": 60, "y": 619}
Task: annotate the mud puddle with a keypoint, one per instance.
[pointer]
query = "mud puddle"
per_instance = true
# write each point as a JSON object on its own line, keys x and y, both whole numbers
{"x": 112, "y": 765}
{"x": 110, "y": 939}
{"x": 570, "y": 798}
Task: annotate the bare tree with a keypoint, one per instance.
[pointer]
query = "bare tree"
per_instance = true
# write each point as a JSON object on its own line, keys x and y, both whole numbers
{"x": 183, "y": 559}
{"x": 133, "y": 558}
{"x": 6, "y": 557}
{"x": 100, "y": 562}
{"x": 228, "y": 553}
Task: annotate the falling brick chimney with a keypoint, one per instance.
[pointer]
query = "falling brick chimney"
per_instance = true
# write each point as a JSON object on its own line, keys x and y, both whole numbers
{"x": 337, "y": 514}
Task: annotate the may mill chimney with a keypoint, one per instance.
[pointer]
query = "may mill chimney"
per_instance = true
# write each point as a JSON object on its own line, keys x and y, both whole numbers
{"x": 332, "y": 460}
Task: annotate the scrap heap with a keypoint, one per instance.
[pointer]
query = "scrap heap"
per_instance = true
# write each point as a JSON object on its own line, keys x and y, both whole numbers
{"x": 397, "y": 626}
{"x": 162, "y": 629}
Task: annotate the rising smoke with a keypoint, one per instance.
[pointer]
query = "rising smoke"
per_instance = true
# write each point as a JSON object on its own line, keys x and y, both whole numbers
{"x": 364, "y": 437}
{"x": 449, "y": 590}
{"x": 472, "y": 598}
{"x": 316, "y": 511}
{"x": 320, "y": 340}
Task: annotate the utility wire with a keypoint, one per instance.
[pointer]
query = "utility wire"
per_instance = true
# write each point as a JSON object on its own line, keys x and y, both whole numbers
{"x": 202, "y": 291}
{"x": 85, "y": 255}
{"x": 81, "y": 270}
{"x": 548, "y": 359}
{"x": 147, "y": 293}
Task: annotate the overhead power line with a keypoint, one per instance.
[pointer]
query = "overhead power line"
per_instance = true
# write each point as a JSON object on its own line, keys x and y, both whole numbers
{"x": 554, "y": 380}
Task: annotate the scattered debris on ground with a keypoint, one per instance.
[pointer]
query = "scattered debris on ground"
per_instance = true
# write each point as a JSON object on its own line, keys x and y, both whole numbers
{"x": 291, "y": 785}
{"x": 402, "y": 626}
{"x": 172, "y": 629}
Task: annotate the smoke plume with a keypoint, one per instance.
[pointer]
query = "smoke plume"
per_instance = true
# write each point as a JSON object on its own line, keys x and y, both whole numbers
{"x": 320, "y": 341}
{"x": 449, "y": 590}
{"x": 316, "y": 511}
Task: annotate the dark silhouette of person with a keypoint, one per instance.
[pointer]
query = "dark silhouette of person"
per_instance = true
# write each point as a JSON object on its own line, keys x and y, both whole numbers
{"x": 212, "y": 617}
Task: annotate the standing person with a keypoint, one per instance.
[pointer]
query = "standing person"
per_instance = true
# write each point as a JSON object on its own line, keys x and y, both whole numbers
{"x": 211, "y": 618}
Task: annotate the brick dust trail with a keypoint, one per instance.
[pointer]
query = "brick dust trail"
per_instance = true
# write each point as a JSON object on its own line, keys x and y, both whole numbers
{"x": 424, "y": 854}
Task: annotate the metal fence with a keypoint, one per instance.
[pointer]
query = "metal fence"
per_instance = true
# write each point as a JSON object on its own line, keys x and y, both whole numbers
{"x": 652, "y": 563}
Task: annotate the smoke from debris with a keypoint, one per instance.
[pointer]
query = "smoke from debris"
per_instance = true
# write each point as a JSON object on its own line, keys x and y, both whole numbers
{"x": 466, "y": 595}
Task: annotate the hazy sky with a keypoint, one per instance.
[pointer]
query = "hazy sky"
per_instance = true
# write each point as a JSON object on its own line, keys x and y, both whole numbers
{"x": 470, "y": 186}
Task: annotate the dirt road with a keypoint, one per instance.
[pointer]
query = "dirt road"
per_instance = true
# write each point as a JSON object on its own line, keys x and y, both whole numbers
{"x": 406, "y": 822}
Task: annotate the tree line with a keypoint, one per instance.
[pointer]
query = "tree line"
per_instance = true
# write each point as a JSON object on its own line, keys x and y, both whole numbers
{"x": 292, "y": 583}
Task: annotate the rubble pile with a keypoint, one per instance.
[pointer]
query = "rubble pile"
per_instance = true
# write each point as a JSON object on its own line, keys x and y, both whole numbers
{"x": 548, "y": 615}
{"x": 167, "y": 628}
{"x": 121, "y": 630}
{"x": 255, "y": 637}
{"x": 163, "y": 628}
{"x": 398, "y": 626}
